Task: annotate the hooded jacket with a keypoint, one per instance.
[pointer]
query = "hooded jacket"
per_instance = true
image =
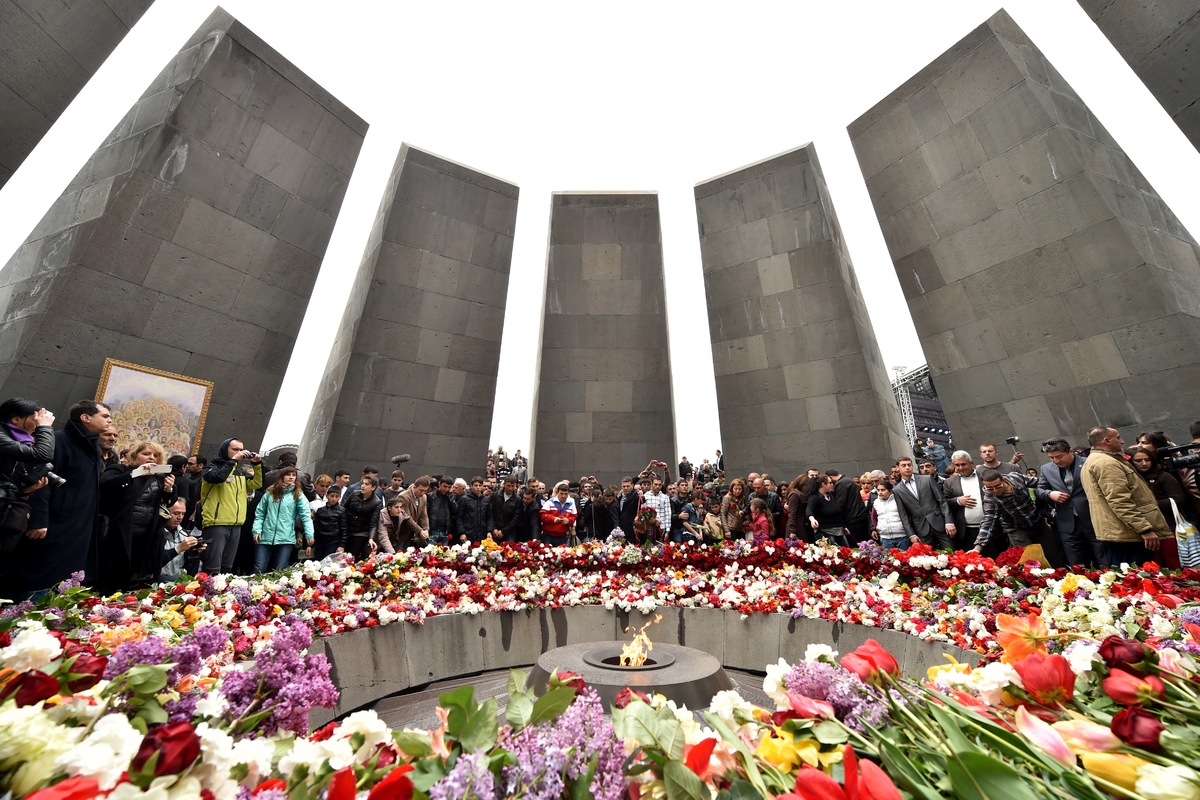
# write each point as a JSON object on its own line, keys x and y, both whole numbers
{"x": 223, "y": 489}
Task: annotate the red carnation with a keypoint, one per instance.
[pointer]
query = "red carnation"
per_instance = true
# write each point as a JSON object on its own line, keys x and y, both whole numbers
{"x": 176, "y": 745}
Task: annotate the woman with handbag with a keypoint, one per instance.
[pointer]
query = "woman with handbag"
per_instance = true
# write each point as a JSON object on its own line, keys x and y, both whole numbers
{"x": 133, "y": 498}
{"x": 1166, "y": 489}
{"x": 26, "y": 439}
{"x": 275, "y": 522}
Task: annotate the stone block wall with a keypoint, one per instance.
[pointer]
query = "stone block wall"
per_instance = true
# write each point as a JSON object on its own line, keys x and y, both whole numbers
{"x": 1051, "y": 287}
{"x": 414, "y": 364}
{"x": 604, "y": 392}
{"x": 800, "y": 380}
{"x": 190, "y": 241}
{"x": 1160, "y": 40}
{"x": 48, "y": 50}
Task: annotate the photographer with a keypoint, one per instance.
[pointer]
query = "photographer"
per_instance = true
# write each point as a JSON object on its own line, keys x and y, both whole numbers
{"x": 178, "y": 545}
{"x": 224, "y": 487}
{"x": 130, "y": 555}
{"x": 25, "y": 439}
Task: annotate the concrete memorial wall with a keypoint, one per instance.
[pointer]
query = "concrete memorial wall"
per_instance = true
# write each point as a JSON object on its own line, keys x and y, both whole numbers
{"x": 414, "y": 364}
{"x": 48, "y": 50}
{"x": 190, "y": 240}
{"x": 1160, "y": 40}
{"x": 604, "y": 393}
{"x": 800, "y": 380}
{"x": 1051, "y": 287}
{"x": 372, "y": 663}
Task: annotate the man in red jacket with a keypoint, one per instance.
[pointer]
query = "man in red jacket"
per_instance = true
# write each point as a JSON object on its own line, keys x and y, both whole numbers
{"x": 558, "y": 516}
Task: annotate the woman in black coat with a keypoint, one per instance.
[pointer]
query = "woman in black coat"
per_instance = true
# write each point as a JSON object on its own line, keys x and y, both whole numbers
{"x": 26, "y": 440}
{"x": 131, "y": 553}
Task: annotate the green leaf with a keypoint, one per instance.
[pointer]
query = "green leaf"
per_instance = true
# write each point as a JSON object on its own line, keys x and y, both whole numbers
{"x": 519, "y": 710}
{"x": 671, "y": 737}
{"x": 636, "y": 721}
{"x": 682, "y": 783}
{"x": 481, "y": 729}
{"x": 979, "y": 777}
{"x": 417, "y": 745}
{"x": 460, "y": 705}
{"x": 153, "y": 713}
{"x": 581, "y": 787}
{"x": 905, "y": 773}
{"x": 742, "y": 790}
{"x": 752, "y": 772}
{"x": 551, "y": 704}
{"x": 427, "y": 772}
{"x": 954, "y": 734}
{"x": 830, "y": 732}
{"x": 516, "y": 682}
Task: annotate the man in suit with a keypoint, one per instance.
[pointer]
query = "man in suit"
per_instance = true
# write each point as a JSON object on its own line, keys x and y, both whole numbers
{"x": 964, "y": 496}
{"x": 720, "y": 464}
{"x": 923, "y": 508}
{"x": 626, "y": 508}
{"x": 1059, "y": 483}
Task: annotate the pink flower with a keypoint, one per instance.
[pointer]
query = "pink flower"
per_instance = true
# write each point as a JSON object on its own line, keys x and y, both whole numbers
{"x": 1044, "y": 736}
{"x": 1085, "y": 736}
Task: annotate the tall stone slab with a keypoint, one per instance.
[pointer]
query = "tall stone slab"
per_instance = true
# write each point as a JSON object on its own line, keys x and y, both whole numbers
{"x": 414, "y": 364}
{"x": 48, "y": 50}
{"x": 1160, "y": 39}
{"x": 800, "y": 381}
{"x": 190, "y": 241}
{"x": 604, "y": 392}
{"x": 1051, "y": 287}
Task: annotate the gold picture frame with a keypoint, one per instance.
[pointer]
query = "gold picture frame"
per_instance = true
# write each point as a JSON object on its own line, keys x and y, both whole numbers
{"x": 149, "y": 404}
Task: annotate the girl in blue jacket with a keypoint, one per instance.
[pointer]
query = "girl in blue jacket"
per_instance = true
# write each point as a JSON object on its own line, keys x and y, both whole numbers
{"x": 275, "y": 522}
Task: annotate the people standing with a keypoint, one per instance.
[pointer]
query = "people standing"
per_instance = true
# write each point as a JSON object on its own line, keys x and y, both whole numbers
{"x": 225, "y": 486}
{"x": 1060, "y": 482}
{"x": 130, "y": 555}
{"x": 558, "y": 515}
{"x": 474, "y": 514}
{"x": 825, "y": 515}
{"x": 362, "y": 518}
{"x": 964, "y": 497}
{"x": 887, "y": 527}
{"x": 733, "y": 508}
{"x": 329, "y": 525}
{"x": 1125, "y": 515}
{"x": 924, "y": 507}
{"x": 275, "y": 518}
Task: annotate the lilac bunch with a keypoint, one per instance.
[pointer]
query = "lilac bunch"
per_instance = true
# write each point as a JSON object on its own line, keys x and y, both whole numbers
{"x": 17, "y": 610}
{"x": 873, "y": 551}
{"x": 617, "y": 537}
{"x": 283, "y": 681}
{"x": 549, "y": 752}
{"x": 470, "y": 779}
{"x": 854, "y": 703}
{"x": 73, "y": 582}
{"x": 152, "y": 651}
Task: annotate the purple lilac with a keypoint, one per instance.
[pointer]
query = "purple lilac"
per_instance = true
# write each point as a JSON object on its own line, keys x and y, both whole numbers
{"x": 18, "y": 610}
{"x": 73, "y": 582}
{"x": 183, "y": 709}
{"x": 1190, "y": 615}
{"x": 854, "y": 703}
{"x": 469, "y": 780}
{"x": 211, "y": 639}
{"x": 151, "y": 650}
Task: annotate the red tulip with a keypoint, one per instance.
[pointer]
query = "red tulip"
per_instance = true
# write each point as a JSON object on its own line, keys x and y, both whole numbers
{"x": 1048, "y": 680}
{"x": 176, "y": 745}
{"x": 273, "y": 783}
{"x": 1138, "y": 728}
{"x": 866, "y": 783}
{"x": 698, "y": 756}
{"x": 76, "y": 788}
{"x": 396, "y": 785}
{"x": 869, "y": 660}
{"x": 1126, "y": 654}
{"x": 1131, "y": 690}
{"x": 341, "y": 785}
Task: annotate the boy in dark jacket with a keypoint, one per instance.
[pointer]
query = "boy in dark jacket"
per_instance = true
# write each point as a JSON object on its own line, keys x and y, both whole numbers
{"x": 329, "y": 525}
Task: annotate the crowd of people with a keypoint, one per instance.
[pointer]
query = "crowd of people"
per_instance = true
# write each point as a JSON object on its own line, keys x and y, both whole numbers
{"x": 69, "y": 502}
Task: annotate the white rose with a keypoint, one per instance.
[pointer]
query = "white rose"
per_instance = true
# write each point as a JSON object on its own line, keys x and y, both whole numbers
{"x": 1176, "y": 782}
{"x": 374, "y": 731}
{"x": 32, "y": 648}
{"x": 820, "y": 652}
{"x": 773, "y": 684}
{"x": 212, "y": 704}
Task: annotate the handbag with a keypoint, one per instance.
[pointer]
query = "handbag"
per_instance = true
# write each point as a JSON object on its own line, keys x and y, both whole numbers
{"x": 1187, "y": 540}
{"x": 14, "y": 521}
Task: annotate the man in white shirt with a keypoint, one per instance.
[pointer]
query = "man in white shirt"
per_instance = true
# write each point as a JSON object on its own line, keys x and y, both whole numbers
{"x": 658, "y": 500}
{"x": 964, "y": 494}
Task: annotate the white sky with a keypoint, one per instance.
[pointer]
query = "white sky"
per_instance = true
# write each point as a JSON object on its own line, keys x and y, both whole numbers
{"x": 609, "y": 96}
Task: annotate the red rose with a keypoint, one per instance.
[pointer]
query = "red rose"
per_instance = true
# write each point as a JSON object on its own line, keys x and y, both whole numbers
{"x": 176, "y": 745}
{"x": 626, "y": 696}
{"x": 273, "y": 783}
{"x": 1131, "y": 690}
{"x": 341, "y": 785}
{"x": 77, "y": 788}
{"x": 1047, "y": 679}
{"x": 1126, "y": 654}
{"x": 1138, "y": 728}
{"x": 396, "y": 785}
{"x": 869, "y": 660}
{"x": 31, "y": 687}
{"x": 572, "y": 679}
{"x": 85, "y": 672}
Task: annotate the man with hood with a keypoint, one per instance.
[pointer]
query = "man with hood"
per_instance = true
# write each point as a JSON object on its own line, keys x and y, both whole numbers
{"x": 224, "y": 488}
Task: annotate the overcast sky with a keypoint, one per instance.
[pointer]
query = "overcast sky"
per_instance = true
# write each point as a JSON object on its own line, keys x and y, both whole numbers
{"x": 606, "y": 96}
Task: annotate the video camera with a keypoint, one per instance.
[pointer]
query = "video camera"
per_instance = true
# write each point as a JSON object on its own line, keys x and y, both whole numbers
{"x": 1181, "y": 456}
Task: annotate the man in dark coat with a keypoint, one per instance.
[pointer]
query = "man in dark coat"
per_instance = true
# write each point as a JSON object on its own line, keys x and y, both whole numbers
{"x": 505, "y": 503}
{"x": 65, "y": 516}
{"x": 854, "y": 510}
{"x": 1060, "y": 483}
{"x": 474, "y": 514}
{"x": 923, "y": 508}
{"x": 625, "y": 507}
{"x": 528, "y": 519}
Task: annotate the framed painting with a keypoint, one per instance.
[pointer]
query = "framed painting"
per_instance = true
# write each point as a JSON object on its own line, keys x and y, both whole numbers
{"x": 149, "y": 405}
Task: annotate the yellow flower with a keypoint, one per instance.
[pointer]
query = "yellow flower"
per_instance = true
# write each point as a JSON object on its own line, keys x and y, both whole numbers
{"x": 788, "y": 754}
{"x": 1070, "y": 583}
{"x": 953, "y": 666}
{"x": 1113, "y": 767}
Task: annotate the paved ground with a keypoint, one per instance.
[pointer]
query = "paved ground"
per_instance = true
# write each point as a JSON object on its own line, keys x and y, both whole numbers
{"x": 415, "y": 708}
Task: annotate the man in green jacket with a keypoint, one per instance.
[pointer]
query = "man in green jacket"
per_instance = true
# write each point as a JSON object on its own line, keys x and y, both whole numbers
{"x": 225, "y": 485}
{"x": 1125, "y": 514}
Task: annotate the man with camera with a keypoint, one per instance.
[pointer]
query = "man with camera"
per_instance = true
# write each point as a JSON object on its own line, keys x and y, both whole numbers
{"x": 63, "y": 525}
{"x": 1060, "y": 482}
{"x": 223, "y": 491}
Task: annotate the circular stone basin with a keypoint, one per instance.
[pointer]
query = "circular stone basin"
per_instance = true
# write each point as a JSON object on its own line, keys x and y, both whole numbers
{"x": 689, "y": 677}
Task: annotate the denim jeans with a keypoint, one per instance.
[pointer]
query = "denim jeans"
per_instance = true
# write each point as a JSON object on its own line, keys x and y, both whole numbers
{"x": 898, "y": 542}
{"x": 270, "y": 557}
{"x": 222, "y": 541}
{"x": 438, "y": 537}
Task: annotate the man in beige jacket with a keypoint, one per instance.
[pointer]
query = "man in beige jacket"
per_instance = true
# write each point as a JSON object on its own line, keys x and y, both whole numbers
{"x": 416, "y": 506}
{"x": 1125, "y": 515}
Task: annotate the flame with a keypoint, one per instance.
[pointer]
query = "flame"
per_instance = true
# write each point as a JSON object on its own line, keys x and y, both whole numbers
{"x": 634, "y": 654}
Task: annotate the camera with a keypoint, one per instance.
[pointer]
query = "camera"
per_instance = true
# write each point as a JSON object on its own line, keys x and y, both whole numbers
{"x": 1013, "y": 440}
{"x": 44, "y": 471}
{"x": 1179, "y": 457}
